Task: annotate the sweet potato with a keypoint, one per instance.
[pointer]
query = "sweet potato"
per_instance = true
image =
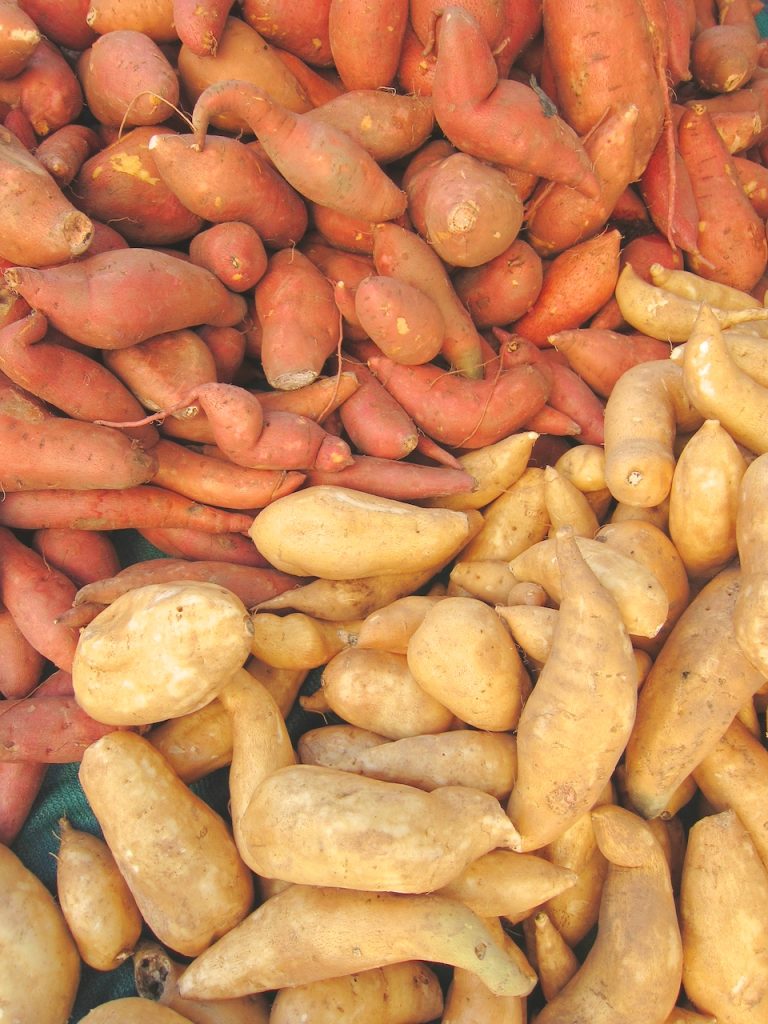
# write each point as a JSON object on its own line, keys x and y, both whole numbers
{"x": 637, "y": 913}
{"x": 57, "y": 231}
{"x": 321, "y": 162}
{"x": 22, "y": 664}
{"x": 19, "y": 36}
{"x": 200, "y": 26}
{"x": 724, "y": 210}
{"x": 121, "y": 184}
{"x": 63, "y": 25}
{"x": 589, "y": 68}
{"x": 41, "y": 965}
{"x": 47, "y": 90}
{"x": 366, "y": 40}
{"x": 403, "y": 254}
{"x": 121, "y": 509}
{"x": 64, "y": 151}
{"x": 82, "y": 555}
{"x": 503, "y": 289}
{"x": 46, "y": 729}
{"x": 128, "y": 80}
{"x": 601, "y": 356}
{"x": 229, "y": 180}
{"x": 394, "y": 927}
{"x": 460, "y": 412}
{"x": 199, "y": 546}
{"x": 62, "y": 452}
{"x": 301, "y": 31}
{"x": 402, "y": 320}
{"x": 153, "y": 19}
{"x": 416, "y": 70}
{"x": 375, "y": 422}
{"x": 390, "y": 478}
{"x": 387, "y": 125}
{"x": 296, "y": 338}
{"x": 233, "y": 251}
{"x": 503, "y": 121}
{"x": 724, "y": 57}
{"x": 79, "y": 298}
{"x": 550, "y": 793}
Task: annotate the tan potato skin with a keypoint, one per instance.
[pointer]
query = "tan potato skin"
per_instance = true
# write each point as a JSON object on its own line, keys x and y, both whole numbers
{"x": 506, "y": 884}
{"x": 96, "y": 902}
{"x": 512, "y": 522}
{"x": 555, "y": 961}
{"x": 39, "y": 961}
{"x": 566, "y": 760}
{"x": 697, "y": 684}
{"x": 750, "y": 616}
{"x": 327, "y": 531}
{"x": 134, "y": 1010}
{"x": 325, "y": 826}
{"x": 734, "y": 776}
{"x": 344, "y": 931}
{"x": 160, "y": 651}
{"x": 495, "y": 468}
{"x": 468, "y": 1000}
{"x": 567, "y": 505}
{"x": 644, "y": 411}
{"x": 391, "y": 627}
{"x": 641, "y": 599}
{"x": 723, "y": 913}
{"x": 176, "y": 854}
{"x": 637, "y": 928}
{"x": 377, "y": 691}
{"x": 703, "y": 500}
{"x": 483, "y": 682}
{"x": 407, "y": 993}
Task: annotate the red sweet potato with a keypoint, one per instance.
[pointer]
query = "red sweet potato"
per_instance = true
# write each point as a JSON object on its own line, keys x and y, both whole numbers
{"x": 601, "y": 356}
{"x": 128, "y": 80}
{"x": 301, "y": 29}
{"x": 731, "y": 242}
{"x": 401, "y": 480}
{"x": 120, "y": 184}
{"x": 34, "y": 594}
{"x": 464, "y": 413}
{"x": 321, "y": 162}
{"x": 40, "y": 225}
{"x": 46, "y": 729}
{"x": 503, "y": 121}
{"x": 227, "y": 347}
{"x": 199, "y": 546}
{"x": 366, "y": 39}
{"x": 68, "y": 379}
{"x": 129, "y": 508}
{"x": 154, "y": 19}
{"x": 19, "y": 36}
{"x": 375, "y": 422}
{"x": 63, "y": 24}
{"x": 296, "y": 337}
{"x": 503, "y": 289}
{"x": 233, "y": 251}
{"x": 200, "y": 25}
{"x": 404, "y": 322}
{"x": 47, "y": 90}
{"x": 83, "y": 555}
{"x": 219, "y": 481}
{"x": 63, "y": 152}
{"x": 155, "y": 291}
{"x": 21, "y": 665}
{"x": 244, "y": 55}
{"x": 229, "y": 180}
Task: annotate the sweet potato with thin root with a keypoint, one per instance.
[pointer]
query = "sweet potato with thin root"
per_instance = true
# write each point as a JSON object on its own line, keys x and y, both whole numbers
{"x": 320, "y": 161}
{"x": 229, "y": 180}
{"x": 128, "y": 80}
{"x": 41, "y": 225}
{"x": 122, "y": 509}
{"x": 292, "y": 442}
{"x": 162, "y": 292}
{"x": 465, "y": 413}
{"x": 503, "y": 121}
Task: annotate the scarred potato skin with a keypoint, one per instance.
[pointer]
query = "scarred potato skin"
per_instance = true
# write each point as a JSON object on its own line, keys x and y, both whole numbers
{"x": 39, "y": 962}
{"x": 176, "y": 854}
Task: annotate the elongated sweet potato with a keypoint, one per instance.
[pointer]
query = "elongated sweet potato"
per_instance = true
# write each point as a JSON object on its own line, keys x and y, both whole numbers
{"x": 200, "y": 26}
{"x": 366, "y": 40}
{"x": 162, "y": 293}
{"x": 387, "y": 125}
{"x": 41, "y": 226}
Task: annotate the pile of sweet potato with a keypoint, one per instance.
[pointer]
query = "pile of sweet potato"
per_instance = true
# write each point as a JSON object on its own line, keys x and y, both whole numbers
{"x": 427, "y": 345}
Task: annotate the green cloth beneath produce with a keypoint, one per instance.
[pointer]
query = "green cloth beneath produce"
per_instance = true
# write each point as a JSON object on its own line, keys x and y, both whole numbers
{"x": 62, "y": 796}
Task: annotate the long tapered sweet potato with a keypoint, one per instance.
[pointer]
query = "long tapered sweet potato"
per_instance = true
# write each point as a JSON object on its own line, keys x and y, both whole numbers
{"x": 229, "y": 180}
{"x": 40, "y": 225}
{"x": 503, "y": 121}
{"x": 157, "y": 292}
{"x": 366, "y": 40}
{"x": 320, "y": 161}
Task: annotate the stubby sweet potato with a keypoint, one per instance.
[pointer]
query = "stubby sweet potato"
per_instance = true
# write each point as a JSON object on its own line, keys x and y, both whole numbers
{"x": 19, "y": 36}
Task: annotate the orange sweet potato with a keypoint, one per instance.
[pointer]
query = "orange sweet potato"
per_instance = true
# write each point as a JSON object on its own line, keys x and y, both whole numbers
{"x": 301, "y": 29}
{"x": 366, "y": 38}
{"x": 233, "y": 251}
{"x": 229, "y": 180}
{"x": 63, "y": 152}
{"x": 120, "y": 184}
{"x": 128, "y": 80}
{"x": 22, "y": 665}
{"x": 200, "y": 546}
{"x": 154, "y": 19}
{"x": 40, "y": 225}
{"x": 19, "y": 36}
{"x": 83, "y": 555}
{"x": 503, "y": 289}
{"x": 156, "y": 292}
{"x": 200, "y": 25}
{"x": 404, "y": 322}
{"x": 320, "y": 161}
{"x": 64, "y": 24}
{"x": 47, "y": 90}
